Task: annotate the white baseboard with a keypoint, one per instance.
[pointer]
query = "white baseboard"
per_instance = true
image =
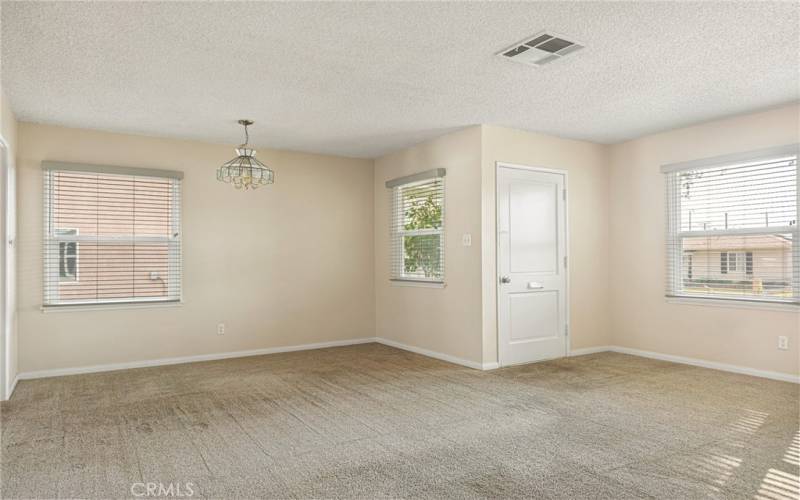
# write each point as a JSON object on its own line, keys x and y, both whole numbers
{"x": 186, "y": 359}
{"x": 438, "y": 355}
{"x": 58, "y": 372}
{"x": 784, "y": 377}
{"x": 10, "y": 388}
{"x": 589, "y": 350}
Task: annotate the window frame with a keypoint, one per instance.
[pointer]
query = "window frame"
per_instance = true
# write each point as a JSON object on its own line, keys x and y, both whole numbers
{"x": 51, "y": 271}
{"x": 397, "y": 274}
{"x": 674, "y": 235}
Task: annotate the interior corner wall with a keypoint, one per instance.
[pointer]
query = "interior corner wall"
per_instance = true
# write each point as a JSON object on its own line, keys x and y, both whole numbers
{"x": 642, "y": 319}
{"x": 288, "y": 264}
{"x": 586, "y": 164}
{"x": 445, "y": 320}
{"x": 8, "y": 130}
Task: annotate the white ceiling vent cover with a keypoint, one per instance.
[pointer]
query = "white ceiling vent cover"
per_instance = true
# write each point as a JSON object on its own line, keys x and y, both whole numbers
{"x": 543, "y": 48}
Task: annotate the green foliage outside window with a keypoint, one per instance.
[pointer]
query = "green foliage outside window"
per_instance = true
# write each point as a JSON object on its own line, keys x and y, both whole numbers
{"x": 422, "y": 252}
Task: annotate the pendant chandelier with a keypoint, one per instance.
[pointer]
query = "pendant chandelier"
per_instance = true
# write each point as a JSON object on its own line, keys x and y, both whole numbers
{"x": 245, "y": 171}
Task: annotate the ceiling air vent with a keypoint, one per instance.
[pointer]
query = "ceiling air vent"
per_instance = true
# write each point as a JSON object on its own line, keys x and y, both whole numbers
{"x": 541, "y": 49}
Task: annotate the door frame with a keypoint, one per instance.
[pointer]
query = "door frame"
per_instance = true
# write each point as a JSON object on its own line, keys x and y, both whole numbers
{"x": 5, "y": 354}
{"x": 546, "y": 170}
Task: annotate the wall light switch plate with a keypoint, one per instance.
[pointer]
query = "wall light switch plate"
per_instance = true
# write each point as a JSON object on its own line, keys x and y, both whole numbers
{"x": 466, "y": 240}
{"x": 783, "y": 343}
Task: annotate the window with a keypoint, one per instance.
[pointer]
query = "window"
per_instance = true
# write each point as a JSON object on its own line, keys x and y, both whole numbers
{"x": 67, "y": 256}
{"x": 112, "y": 235}
{"x": 688, "y": 265}
{"x": 732, "y": 260}
{"x": 733, "y": 227}
{"x": 729, "y": 261}
{"x": 417, "y": 227}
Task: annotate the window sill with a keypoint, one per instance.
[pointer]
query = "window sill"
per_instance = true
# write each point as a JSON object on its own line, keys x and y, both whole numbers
{"x": 418, "y": 284}
{"x": 733, "y": 303}
{"x": 112, "y": 306}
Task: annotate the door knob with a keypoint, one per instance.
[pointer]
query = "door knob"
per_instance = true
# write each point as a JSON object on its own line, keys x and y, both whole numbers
{"x": 505, "y": 279}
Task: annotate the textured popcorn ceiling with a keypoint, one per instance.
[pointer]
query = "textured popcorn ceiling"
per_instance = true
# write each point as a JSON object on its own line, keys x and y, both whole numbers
{"x": 362, "y": 79}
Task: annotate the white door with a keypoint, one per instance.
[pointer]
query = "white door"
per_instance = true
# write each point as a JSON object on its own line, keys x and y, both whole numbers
{"x": 531, "y": 262}
{"x": 3, "y": 238}
{"x": 8, "y": 233}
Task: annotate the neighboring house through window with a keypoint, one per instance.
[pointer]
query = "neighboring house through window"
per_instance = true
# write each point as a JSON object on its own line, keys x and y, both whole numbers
{"x": 733, "y": 227}
{"x": 112, "y": 235}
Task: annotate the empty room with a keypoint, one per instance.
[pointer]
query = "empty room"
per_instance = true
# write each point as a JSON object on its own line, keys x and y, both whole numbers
{"x": 357, "y": 250}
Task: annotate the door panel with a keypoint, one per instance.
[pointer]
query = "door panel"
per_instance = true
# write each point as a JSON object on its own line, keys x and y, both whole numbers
{"x": 534, "y": 315}
{"x": 531, "y": 237}
{"x": 532, "y": 240}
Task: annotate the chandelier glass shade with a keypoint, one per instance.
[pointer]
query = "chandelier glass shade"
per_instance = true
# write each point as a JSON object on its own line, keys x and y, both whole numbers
{"x": 245, "y": 171}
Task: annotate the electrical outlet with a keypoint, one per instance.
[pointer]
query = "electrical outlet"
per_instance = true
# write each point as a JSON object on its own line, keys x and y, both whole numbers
{"x": 221, "y": 329}
{"x": 466, "y": 239}
{"x": 783, "y": 343}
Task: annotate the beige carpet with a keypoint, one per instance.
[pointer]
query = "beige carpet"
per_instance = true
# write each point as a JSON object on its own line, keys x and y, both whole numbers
{"x": 372, "y": 421}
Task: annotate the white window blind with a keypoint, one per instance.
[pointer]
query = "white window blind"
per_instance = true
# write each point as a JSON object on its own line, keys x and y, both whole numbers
{"x": 733, "y": 227}
{"x": 111, "y": 235}
{"x": 417, "y": 227}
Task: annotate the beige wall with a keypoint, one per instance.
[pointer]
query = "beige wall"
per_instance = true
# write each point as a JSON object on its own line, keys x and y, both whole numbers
{"x": 8, "y": 131}
{"x": 642, "y": 319}
{"x": 8, "y": 122}
{"x": 285, "y": 265}
{"x": 261, "y": 261}
{"x": 587, "y": 206}
{"x": 460, "y": 320}
{"x": 445, "y": 320}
